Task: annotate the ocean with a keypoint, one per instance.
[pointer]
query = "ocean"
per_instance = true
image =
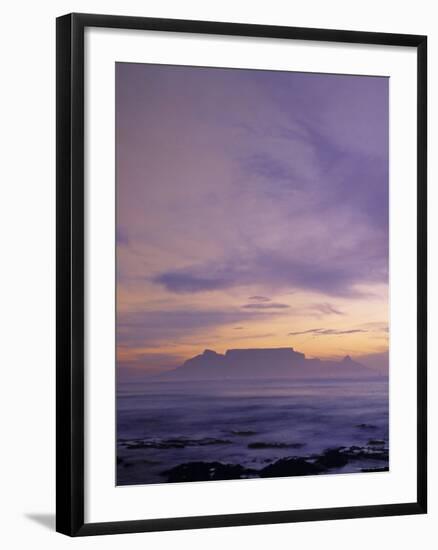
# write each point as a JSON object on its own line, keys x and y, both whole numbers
{"x": 249, "y": 426}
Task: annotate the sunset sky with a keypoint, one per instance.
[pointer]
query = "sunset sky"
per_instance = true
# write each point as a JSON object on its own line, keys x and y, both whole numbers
{"x": 252, "y": 211}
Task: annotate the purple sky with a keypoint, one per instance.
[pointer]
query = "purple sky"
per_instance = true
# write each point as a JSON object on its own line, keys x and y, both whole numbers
{"x": 252, "y": 212}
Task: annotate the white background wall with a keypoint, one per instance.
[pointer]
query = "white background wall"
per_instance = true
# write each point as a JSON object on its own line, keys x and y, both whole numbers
{"x": 27, "y": 289}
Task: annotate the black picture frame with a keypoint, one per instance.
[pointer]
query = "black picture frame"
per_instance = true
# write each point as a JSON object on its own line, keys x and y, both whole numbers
{"x": 70, "y": 273}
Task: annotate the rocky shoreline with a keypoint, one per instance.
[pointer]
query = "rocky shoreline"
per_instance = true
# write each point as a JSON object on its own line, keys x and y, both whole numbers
{"x": 372, "y": 457}
{"x": 330, "y": 459}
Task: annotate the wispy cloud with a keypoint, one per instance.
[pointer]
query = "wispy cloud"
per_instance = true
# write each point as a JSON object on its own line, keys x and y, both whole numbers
{"x": 325, "y": 309}
{"x": 272, "y": 170}
{"x": 259, "y": 298}
{"x": 327, "y": 331}
{"x": 264, "y": 305}
{"x": 376, "y": 326}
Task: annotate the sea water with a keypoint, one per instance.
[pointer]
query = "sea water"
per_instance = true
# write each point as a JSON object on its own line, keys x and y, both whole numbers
{"x": 247, "y": 422}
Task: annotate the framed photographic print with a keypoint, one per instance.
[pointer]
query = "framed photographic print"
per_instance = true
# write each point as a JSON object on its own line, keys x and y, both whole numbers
{"x": 241, "y": 274}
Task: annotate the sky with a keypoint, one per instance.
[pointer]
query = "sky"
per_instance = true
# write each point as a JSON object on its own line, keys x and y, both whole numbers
{"x": 252, "y": 212}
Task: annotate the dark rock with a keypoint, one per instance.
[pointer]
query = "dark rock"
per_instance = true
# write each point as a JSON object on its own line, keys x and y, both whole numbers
{"x": 365, "y": 453}
{"x": 384, "y": 469}
{"x": 291, "y": 467}
{"x": 333, "y": 458}
{"x": 267, "y": 445}
{"x": 205, "y": 471}
{"x": 207, "y": 441}
{"x": 156, "y": 445}
{"x": 177, "y": 443}
{"x": 339, "y": 457}
{"x": 377, "y": 442}
{"x": 243, "y": 433}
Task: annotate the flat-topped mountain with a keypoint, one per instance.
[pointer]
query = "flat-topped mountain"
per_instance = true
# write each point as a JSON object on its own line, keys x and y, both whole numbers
{"x": 264, "y": 363}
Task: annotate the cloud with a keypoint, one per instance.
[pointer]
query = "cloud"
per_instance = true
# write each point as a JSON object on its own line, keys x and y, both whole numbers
{"x": 180, "y": 281}
{"x": 271, "y": 169}
{"x": 149, "y": 328}
{"x": 259, "y": 298}
{"x": 122, "y": 236}
{"x": 269, "y": 268}
{"x": 264, "y": 305}
{"x": 326, "y": 309}
{"x": 276, "y": 174}
{"x": 376, "y": 326}
{"x": 327, "y": 331}
{"x": 316, "y": 168}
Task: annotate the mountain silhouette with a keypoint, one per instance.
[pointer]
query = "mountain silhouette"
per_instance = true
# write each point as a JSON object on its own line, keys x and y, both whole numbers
{"x": 264, "y": 363}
